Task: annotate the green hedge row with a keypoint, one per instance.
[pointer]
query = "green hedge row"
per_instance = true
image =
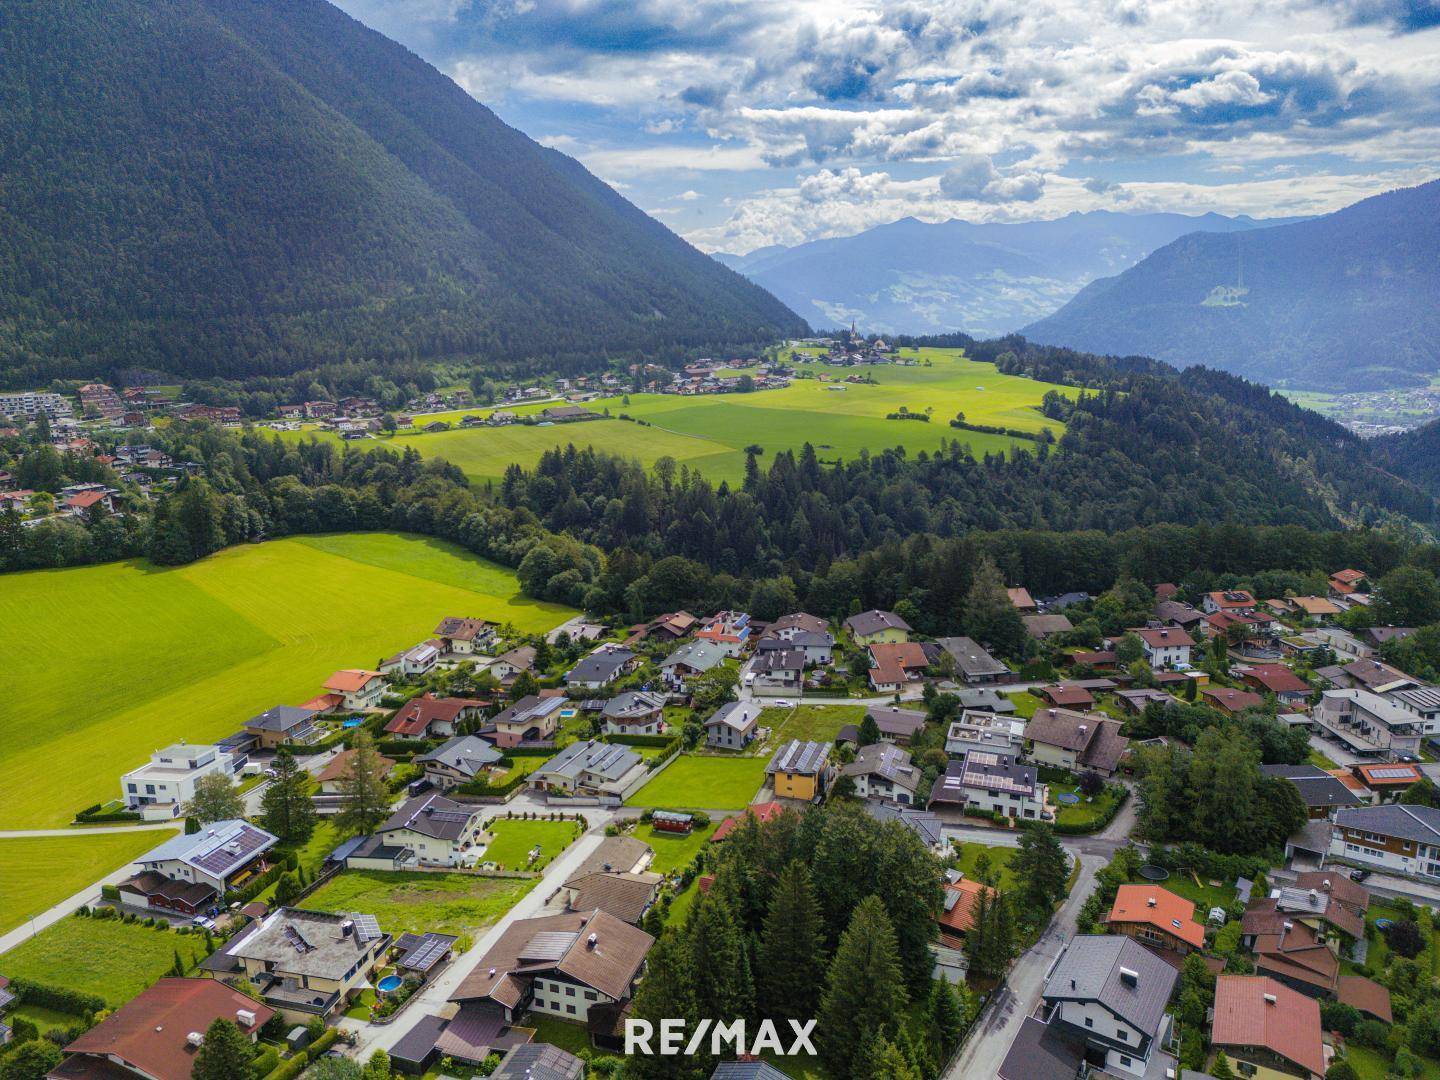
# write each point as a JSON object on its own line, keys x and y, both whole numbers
{"x": 640, "y": 740}
{"x": 91, "y": 815}
{"x": 59, "y": 998}
{"x": 288, "y": 1070}
{"x": 991, "y": 429}
{"x": 392, "y": 747}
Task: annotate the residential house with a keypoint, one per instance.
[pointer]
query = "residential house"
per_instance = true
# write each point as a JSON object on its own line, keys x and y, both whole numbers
{"x": 1327, "y": 903}
{"x": 1229, "y": 700}
{"x": 728, "y": 629}
{"x": 341, "y": 767}
{"x": 164, "y": 784}
{"x": 959, "y": 908}
{"x": 1367, "y": 724}
{"x": 1178, "y": 613}
{"x": 1365, "y": 996}
{"x": 788, "y": 626}
{"x": 560, "y": 966}
{"x": 1136, "y": 701}
{"x": 979, "y": 730}
{"x": 192, "y": 872}
{"x": 77, "y": 502}
{"x": 987, "y": 783}
{"x": 436, "y": 831}
{"x": 429, "y": 717}
{"x": 883, "y": 771}
{"x": 1232, "y": 601}
{"x": 733, "y": 726}
{"x": 808, "y": 632}
{"x": 458, "y": 760}
{"x": 1157, "y": 918}
{"x": 626, "y": 896}
{"x": 600, "y": 668}
{"x": 311, "y": 963}
{"x": 1021, "y": 600}
{"x": 896, "y": 725}
{"x": 531, "y": 719}
{"x": 1321, "y": 792}
{"x": 1099, "y": 659}
{"x": 414, "y": 662}
{"x": 800, "y": 770}
{"x": 154, "y": 1034}
{"x": 283, "y": 724}
{"x": 927, "y": 826}
{"x": 1103, "y": 1008}
{"x": 1391, "y": 837}
{"x": 1264, "y": 1027}
{"x": 1066, "y": 696}
{"x": 984, "y": 699}
{"x": 818, "y": 649}
{"x": 1376, "y": 676}
{"x": 973, "y": 664}
{"x": 1165, "y": 646}
{"x": 895, "y": 665}
{"x": 359, "y": 689}
{"x": 1387, "y": 781}
{"x": 1345, "y": 582}
{"x": 691, "y": 659}
{"x": 591, "y": 768}
{"x": 777, "y": 672}
{"x": 1424, "y": 703}
{"x": 1041, "y": 627}
{"x": 1076, "y": 741}
{"x": 635, "y": 712}
{"x": 1277, "y": 679}
{"x": 509, "y": 666}
{"x": 1313, "y": 609}
{"x": 613, "y": 855}
{"x": 672, "y": 626}
{"x": 876, "y": 627}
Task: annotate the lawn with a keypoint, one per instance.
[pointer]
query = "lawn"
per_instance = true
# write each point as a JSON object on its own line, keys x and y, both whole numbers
{"x": 112, "y": 959}
{"x": 459, "y": 904}
{"x": 999, "y": 861}
{"x": 674, "y": 851}
{"x": 1025, "y": 704}
{"x": 818, "y": 722}
{"x": 696, "y": 782}
{"x": 1204, "y": 895}
{"x": 37, "y": 872}
{"x": 43, "y": 1019}
{"x": 1083, "y": 813}
{"x": 571, "y": 1037}
{"x": 192, "y": 652}
{"x": 710, "y": 433}
{"x": 514, "y": 838}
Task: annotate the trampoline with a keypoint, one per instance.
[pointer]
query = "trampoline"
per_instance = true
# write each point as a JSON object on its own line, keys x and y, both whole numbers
{"x": 1068, "y": 799}
{"x": 1150, "y": 872}
{"x": 1384, "y": 924}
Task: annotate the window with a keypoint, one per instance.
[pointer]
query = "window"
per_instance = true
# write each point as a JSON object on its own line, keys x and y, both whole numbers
{"x": 570, "y": 1009}
{"x": 1090, "y": 1023}
{"x": 1122, "y": 1034}
{"x": 590, "y": 995}
{"x": 1125, "y": 1060}
{"x": 569, "y": 991}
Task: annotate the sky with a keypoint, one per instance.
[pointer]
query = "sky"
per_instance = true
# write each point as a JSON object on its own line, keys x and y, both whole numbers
{"x": 746, "y": 123}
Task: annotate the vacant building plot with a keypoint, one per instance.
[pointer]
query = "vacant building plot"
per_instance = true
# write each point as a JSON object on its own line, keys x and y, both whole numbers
{"x": 702, "y": 782}
{"x": 460, "y": 904}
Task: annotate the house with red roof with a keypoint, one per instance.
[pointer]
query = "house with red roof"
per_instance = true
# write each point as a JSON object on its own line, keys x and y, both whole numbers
{"x": 959, "y": 910}
{"x": 1262, "y": 1024}
{"x": 894, "y": 665}
{"x": 1276, "y": 679}
{"x": 1157, "y": 918}
{"x": 358, "y": 688}
{"x": 429, "y": 717}
{"x": 1345, "y": 582}
{"x": 761, "y": 812}
{"x": 1229, "y": 700}
{"x": 1235, "y": 601}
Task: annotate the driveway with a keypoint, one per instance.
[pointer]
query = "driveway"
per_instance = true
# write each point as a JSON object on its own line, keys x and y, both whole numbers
{"x": 312, "y": 764}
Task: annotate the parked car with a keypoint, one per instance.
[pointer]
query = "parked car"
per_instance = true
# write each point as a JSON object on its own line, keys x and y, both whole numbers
{"x": 204, "y": 921}
{"x": 781, "y": 703}
{"x": 1359, "y": 875}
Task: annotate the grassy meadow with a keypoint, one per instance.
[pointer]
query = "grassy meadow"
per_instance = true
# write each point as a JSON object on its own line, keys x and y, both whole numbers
{"x": 112, "y": 959}
{"x": 459, "y": 904}
{"x": 514, "y": 839}
{"x": 108, "y": 663}
{"x": 37, "y": 872}
{"x": 710, "y": 433}
{"x": 701, "y": 782}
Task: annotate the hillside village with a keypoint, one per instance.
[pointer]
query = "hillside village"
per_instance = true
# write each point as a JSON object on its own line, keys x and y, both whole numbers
{"x": 594, "y": 782}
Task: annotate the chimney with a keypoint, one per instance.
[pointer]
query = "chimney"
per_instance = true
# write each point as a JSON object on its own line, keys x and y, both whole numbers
{"x": 1271, "y": 999}
{"x": 592, "y": 941}
{"x": 1150, "y": 902}
{"x": 1287, "y": 926}
{"x": 195, "y": 1038}
{"x": 347, "y": 928}
{"x": 245, "y": 1018}
{"x": 1130, "y": 978}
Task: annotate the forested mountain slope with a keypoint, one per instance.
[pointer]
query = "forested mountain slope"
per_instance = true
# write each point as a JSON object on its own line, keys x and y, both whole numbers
{"x": 1414, "y": 455}
{"x": 232, "y": 187}
{"x": 1350, "y": 300}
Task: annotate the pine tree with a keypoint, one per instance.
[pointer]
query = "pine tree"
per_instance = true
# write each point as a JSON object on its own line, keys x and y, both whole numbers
{"x": 1041, "y": 869}
{"x": 883, "y": 1059}
{"x": 946, "y": 1018}
{"x": 378, "y": 1067}
{"x": 225, "y": 1053}
{"x": 665, "y": 992}
{"x": 791, "y": 948}
{"x": 987, "y": 613}
{"x": 285, "y": 806}
{"x": 286, "y": 890}
{"x": 366, "y": 794}
{"x": 723, "y": 988}
{"x": 864, "y": 990}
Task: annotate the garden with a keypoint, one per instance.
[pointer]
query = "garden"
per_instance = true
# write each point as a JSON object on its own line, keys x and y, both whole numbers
{"x": 458, "y": 904}
{"x": 704, "y": 782}
{"x": 514, "y": 839}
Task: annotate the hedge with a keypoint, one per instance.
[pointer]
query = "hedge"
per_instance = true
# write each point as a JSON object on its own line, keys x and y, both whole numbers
{"x": 288, "y": 1070}
{"x": 1067, "y": 829}
{"x": 59, "y": 998}
{"x": 531, "y": 751}
{"x": 992, "y": 429}
{"x": 265, "y": 1062}
{"x": 640, "y": 740}
{"x": 256, "y": 886}
{"x": 391, "y": 747}
{"x": 485, "y": 788}
{"x": 92, "y": 815}
{"x": 306, "y": 749}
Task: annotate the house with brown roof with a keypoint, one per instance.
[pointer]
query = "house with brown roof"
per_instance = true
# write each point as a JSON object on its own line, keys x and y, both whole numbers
{"x": 875, "y": 626}
{"x": 1157, "y": 918}
{"x": 1313, "y": 609}
{"x": 1021, "y": 600}
{"x": 1075, "y": 740}
{"x": 507, "y": 667}
{"x": 1262, "y": 1024}
{"x": 896, "y": 725}
{"x": 1066, "y": 696}
{"x": 1276, "y": 679}
{"x": 1366, "y": 996}
{"x": 1345, "y": 582}
{"x": 358, "y": 689}
{"x": 959, "y": 909}
{"x": 1298, "y": 955}
{"x": 465, "y": 637}
{"x": 310, "y": 963}
{"x": 1330, "y": 905}
{"x": 1041, "y": 627}
{"x": 429, "y": 717}
{"x": 1231, "y": 701}
{"x": 340, "y": 767}
{"x": 894, "y": 665}
{"x": 154, "y": 1034}
{"x": 1387, "y": 780}
{"x": 1165, "y": 646}
{"x": 1235, "y": 601}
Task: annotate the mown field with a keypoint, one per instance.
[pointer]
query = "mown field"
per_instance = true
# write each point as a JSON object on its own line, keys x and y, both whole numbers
{"x": 112, "y": 959}
{"x": 37, "y": 872}
{"x": 710, "y": 433}
{"x": 458, "y": 904}
{"x": 108, "y": 663}
{"x": 702, "y": 782}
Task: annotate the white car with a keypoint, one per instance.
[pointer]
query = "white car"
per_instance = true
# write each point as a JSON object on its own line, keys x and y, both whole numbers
{"x": 781, "y": 703}
{"x": 204, "y": 922}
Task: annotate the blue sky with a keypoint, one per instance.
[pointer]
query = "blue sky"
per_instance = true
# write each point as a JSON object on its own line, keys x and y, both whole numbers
{"x": 742, "y": 123}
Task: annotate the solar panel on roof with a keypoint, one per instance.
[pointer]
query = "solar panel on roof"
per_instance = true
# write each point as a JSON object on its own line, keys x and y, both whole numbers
{"x": 428, "y": 954}
{"x": 1392, "y": 773}
{"x": 366, "y": 928}
{"x": 297, "y": 939}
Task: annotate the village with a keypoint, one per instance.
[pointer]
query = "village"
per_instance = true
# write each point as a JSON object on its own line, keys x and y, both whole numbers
{"x": 577, "y": 785}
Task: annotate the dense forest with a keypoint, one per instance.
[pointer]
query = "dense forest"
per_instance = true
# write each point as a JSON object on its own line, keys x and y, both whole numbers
{"x": 256, "y": 187}
{"x": 1413, "y": 454}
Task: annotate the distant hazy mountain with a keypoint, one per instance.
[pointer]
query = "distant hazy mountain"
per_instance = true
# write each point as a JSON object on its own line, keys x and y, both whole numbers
{"x": 231, "y": 187}
{"x": 1350, "y": 300}
{"x": 985, "y": 279}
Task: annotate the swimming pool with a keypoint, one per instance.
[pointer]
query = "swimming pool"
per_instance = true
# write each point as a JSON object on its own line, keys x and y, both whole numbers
{"x": 567, "y": 713}
{"x": 353, "y": 722}
{"x": 388, "y": 984}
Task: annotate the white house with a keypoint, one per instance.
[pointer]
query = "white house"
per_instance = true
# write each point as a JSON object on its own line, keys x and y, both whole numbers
{"x": 1165, "y": 646}
{"x": 160, "y": 787}
{"x": 439, "y": 831}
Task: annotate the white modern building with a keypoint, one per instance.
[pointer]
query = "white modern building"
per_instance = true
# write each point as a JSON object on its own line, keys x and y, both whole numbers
{"x": 165, "y": 783}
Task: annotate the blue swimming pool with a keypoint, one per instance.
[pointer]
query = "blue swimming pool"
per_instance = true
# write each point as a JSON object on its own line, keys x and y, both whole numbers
{"x": 567, "y": 713}
{"x": 388, "y": 983}
{"x": 354, "y": 721}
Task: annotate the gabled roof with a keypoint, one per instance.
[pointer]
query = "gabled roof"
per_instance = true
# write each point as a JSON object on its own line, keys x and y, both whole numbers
{"x": 1160, "y": 908}
{"x": 351, "y": 680}
{"x": 521, "y": 658}
{"x": 761, "y": 812}
{"x": 432, "y": 815}
{"x": 281, "y": 718}
{"x": 218, "y": 849}
{"x": 798, "y": 621}
{"x": 740, "y": 715}
{"x": 1317, "y": 787}
{"x": 466, "y": 754}
{"x": 1020, "y": 597}
{"x": 1229, "y": 699}
{"x": 961, "y": 904}
{"x": 971, "y": 659}
{"x": 417, "y": 714}
{"x": 609, "y": 761}
{"x": 1097, "y": 967}
{"x": 1042, "y": 626}
{"x": 528, "y": 708}
{"x": 1388, "y": 774}
{"x": 1066, "y": 694}
{"x": 1366, "y": 995}
{"x": 599, "y": 665}
{"x": 459, "y": 629}
{"x": 339, "y": 765}
{"x": 1417, "y": 823}
{"x": 875, "y": 621}
{"x": 1277, "y": 678}
{"x": 1254, "y": 1010}
{"x": 1164, "y": 637}
{"x": 887, "y": 761}
{"x": 633, "y": 704}
{"x": 699, "y": 654}
{"x": 798, "y": 756}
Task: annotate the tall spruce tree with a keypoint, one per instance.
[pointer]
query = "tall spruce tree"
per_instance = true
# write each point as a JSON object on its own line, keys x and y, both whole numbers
{"x": 666, "y": 992}
{"x": 224, "y": 1054}
{"x": 723, "y": 987}
{"x": 285, "y": 806}
{"x": 987, "y": 613}
{"x": 366, "y": 794}
{"x": 1041, "y": 869}
{"x": 865, "y": 991}
{"x": 791, "y": 948}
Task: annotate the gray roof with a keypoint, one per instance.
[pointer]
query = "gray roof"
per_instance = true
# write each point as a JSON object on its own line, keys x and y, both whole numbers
{"x": 633, "y": 703}
{"x": 1090, "y": 970}
{"x": 1421, "y": 698}
{"x": 281, "y": 718}
{"x": 741, "y": 715}
{"x": 311, "y": 943}
{"x": 433, "y": 816}
{"x": 792, "y": 659}
{"x": 984, "y": 770}
{"x": 922, "y": 823}
{"x": 599, "y": 666}
{"x": 800, "y": 639}
{"x": 797, "y": 756}
{"x": 466, "y": 754}
{"x": 984, "y": 698}
{"x": 218, "y": 849}
{"x": 886, "y": 760}
{"x": 1418, "y": 823}
{"x": 529, "y": 707}
{"x": 896, "y": 721}
{"x": 539, "y": 1061}
{"x": 874, "y": 621}
{"x": 614, "y": 854}
{"x": 700, "y": 655}
{"x": 747, "y": 1070}
{"x": 970, "y": 658}
{"x": 1317, "y": 787}
{"x": 606, "y": 760}
{"x": 1042, "y": 1051}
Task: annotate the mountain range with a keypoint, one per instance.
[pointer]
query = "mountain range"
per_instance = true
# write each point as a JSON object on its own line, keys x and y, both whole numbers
{"x": 1347, "y": 301}
{"x": 237, "y": 187}
{"x": 985, "y": 279}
